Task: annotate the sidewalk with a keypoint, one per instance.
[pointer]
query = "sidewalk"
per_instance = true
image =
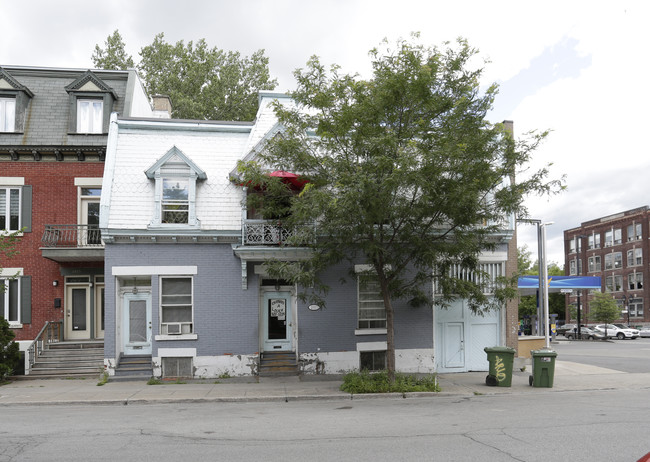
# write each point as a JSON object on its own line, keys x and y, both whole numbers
{"x": 568, "y": 377}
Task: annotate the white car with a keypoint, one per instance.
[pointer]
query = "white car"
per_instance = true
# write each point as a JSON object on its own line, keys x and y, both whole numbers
{"x": 620, "y": 331}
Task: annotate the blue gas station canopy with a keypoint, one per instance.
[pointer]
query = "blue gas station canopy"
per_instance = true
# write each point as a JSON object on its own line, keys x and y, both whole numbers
{"x": 528, "y": 285}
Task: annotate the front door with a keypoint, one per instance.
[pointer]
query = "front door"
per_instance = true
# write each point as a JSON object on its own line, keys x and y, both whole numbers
{"x": 90, "y": 235}
{"x": 454, "y": 341}
{"x": 136, "y": 324}
{"x": 277, "y": 321}
{"x": 77, "y": 311}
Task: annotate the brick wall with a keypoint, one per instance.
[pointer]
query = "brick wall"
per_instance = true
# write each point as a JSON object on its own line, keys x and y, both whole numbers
{"x": 54, "y": 202}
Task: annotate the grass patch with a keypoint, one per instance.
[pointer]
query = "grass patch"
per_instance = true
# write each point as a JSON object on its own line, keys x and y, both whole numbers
{"x": 365, "y": 382}
{"x": 103, "y": 379}
{"x": 154, "y": 381}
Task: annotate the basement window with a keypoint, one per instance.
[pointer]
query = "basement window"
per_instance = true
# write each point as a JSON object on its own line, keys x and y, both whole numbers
{"x": 177, "y": 367}
{"x": 372, "y": 360}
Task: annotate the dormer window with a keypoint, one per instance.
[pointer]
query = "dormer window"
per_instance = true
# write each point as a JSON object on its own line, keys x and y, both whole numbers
{"x": 175, "y": 177}
{"x": 7, "y": 114}
{"x": 90, "y": 115}
{"x": 14, "y": 99}
{"x": 175, "y": 200}
{"x": 91, "y": 102}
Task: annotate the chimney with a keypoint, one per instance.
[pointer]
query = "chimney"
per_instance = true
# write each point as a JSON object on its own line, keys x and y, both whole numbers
{"x": 162, "y": 106}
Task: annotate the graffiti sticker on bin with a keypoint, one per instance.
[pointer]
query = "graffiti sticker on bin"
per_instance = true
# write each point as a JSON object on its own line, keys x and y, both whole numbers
{"x": 500, "y": 369}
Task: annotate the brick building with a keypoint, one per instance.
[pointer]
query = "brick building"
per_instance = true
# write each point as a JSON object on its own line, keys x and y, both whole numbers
{"x": 615, "y": 248}
{"x": 53, "y": 134}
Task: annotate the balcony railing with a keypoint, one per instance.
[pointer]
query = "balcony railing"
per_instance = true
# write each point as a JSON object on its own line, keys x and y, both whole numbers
{"x": 72, "y": 236}
{"x": 262, "y": 232}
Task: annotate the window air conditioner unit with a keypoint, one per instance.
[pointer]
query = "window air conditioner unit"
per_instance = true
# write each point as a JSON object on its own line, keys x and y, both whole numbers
{"x": 174, "y": 329}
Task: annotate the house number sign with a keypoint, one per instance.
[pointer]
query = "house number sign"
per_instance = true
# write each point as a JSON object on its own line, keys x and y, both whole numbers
{"x": 278, "y": 308}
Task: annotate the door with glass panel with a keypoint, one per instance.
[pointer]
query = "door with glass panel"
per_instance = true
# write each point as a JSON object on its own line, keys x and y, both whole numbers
{"x": 99, "y": 309}
{"x": 277, "y": 321}
{"x": 89, "y": 220}
{"x": 77, "y": 309}
{"x": 136, "y": 323}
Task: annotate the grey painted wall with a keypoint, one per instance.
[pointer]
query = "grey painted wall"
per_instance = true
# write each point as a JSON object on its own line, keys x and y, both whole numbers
{"x": 226, "y": 316}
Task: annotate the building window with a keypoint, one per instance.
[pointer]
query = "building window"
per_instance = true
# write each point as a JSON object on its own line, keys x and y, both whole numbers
{"x": 372, "y": 360}
{"x": 609, "y": 238}
{"x": 372, "y": 313}
{"x": 175, "y": 201}
{"x": 635, "y": 307}
{"x": 594, "y": 263}
{"x": 572, "y": 268}
{"x": 579, "y": 265}
{"x": 10, "y": 209}
{"x": 613, "y": 260}
{"x": 634, "y": 257}
{"x": 176, "y": 305}
{"x": 614, "y": 283}
{"x": 10, "y": 300}
{"x": 572, "y": 245}
{"x": 634, "y": 232}
{"x": 635, "y": 281}
{"x": 7, "y": 114}
{"x": 618, "y": 236}
{"x": 90, "y": 115}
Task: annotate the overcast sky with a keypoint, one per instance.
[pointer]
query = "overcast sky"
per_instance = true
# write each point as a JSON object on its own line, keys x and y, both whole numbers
{"x": 577, "y": 68}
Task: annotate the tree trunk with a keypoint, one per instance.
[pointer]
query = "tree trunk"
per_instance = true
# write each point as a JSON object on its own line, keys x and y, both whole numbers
{"x": 390, "y": 335}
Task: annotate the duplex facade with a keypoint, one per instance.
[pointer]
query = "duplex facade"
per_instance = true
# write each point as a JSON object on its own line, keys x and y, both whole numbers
{"x": 54, "y": 125}
{"x": 186, "y": 287}
{"x": 615, "y": 248}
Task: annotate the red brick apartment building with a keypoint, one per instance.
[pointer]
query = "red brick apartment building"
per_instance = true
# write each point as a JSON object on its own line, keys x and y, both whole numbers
{"x": 53, "y": 135}
{"x": 615, "y": 248}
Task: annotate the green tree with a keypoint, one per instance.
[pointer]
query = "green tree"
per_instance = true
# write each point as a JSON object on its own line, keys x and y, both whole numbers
{"x": 113, "y": 55}
{"x": 204, "y": 82}
{"x": 405, "y": 175}
{"x": 9, "y": 350}
{"x": 604, "y": 309}
{"x": 528, "y": 303}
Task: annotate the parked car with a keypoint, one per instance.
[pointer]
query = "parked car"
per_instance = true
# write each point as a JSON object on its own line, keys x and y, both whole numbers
{"x": 586, "y": 333}
{"x": 644, "y": 332}
{"x": 565, "y": 328}
{"x": 620, "y": 331}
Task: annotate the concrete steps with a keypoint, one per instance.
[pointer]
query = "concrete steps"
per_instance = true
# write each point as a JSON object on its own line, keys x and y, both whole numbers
{"x": 69, "y": 360}
{"x": 278, "y": 364}
{"x": 133, "y": 367}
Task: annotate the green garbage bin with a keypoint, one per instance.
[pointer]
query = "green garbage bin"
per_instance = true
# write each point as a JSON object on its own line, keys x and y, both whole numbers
{"x": 543, "y": 368}
{"x": 500, "y": 372}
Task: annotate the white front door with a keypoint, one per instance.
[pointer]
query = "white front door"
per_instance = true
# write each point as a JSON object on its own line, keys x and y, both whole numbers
{"x": 454, "y": 345}
{"x": 277, "y": 322}
{"x": 77, "y": 311}
{"x": 136, "y": 323}
{"x": 90, "y": 235}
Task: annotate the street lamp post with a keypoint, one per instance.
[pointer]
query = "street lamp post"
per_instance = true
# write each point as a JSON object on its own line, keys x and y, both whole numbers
{"x": 545, "y": 270}
{"x": 579, "y": 239}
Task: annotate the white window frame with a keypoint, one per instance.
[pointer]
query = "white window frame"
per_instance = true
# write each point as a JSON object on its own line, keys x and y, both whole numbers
{"x": 618, "y": 236}
{"x": 7, "y": 114}
{"x": 609, "y": 238}
{"x": 171, "y": 205}
{"x": 93, "y": 122}
{"x": 13, "y": 283}
{"x": 594, "y": 264}
{"x": 367, "y": 271}
{"x": 7, "y": 208}
{"x": 184, "y": 327}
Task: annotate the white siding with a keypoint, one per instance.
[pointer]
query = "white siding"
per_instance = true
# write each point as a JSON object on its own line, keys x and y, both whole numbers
{"x": 218, "y": 202}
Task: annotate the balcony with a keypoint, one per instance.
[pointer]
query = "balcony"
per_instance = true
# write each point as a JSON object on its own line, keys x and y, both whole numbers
{"x": 263, "y": 232}
{"x": 72, "y": 243}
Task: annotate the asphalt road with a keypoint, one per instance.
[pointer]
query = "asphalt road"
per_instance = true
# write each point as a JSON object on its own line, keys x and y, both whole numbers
{"x": 602, "y": 425}
{"x": 620, "y": 355}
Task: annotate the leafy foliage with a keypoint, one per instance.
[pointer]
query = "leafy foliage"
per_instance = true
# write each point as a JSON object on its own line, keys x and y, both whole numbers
{"x": 9, "y": 350}
{"x": 113, "y": 55}
{"x": 379, "y": 382}
{"x": 603, "y": 308}
{"x": 528, "y": 303}
{"x": 405, "y": 174}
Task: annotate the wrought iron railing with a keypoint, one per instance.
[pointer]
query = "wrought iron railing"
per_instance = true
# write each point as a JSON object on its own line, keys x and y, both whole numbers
{"x": 51, "y": 332}
{"x": 72, "y": 236}
{"x": 263, "y": 232}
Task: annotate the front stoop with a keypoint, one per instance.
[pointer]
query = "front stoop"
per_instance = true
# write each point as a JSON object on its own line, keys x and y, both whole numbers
{"x": 69, "y": 360}
{"x": 278, "y": 364}
{"x": 133, "y": 367}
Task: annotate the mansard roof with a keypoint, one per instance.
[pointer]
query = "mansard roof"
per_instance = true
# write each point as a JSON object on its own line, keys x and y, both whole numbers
{"x": 13, "y": 83}
{"x": 88, "y": 81}
{"x": 175, "y": 155}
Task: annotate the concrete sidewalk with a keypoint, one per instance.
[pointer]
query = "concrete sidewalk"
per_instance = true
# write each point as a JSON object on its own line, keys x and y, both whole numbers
{"x": 568, "y": 377}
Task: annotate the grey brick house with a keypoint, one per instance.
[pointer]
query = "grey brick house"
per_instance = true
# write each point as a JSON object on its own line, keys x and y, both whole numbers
{"x": 186, "y": 287}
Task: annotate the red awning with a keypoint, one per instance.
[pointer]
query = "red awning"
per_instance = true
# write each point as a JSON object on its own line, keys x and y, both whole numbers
{"x": 290, "y": 178}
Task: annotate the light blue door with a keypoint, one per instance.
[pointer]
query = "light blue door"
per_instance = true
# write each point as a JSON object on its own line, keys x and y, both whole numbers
{"x": 136, "y": 323}
{"x": 454, "y": 339}
{"x": 277, "y": 321}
